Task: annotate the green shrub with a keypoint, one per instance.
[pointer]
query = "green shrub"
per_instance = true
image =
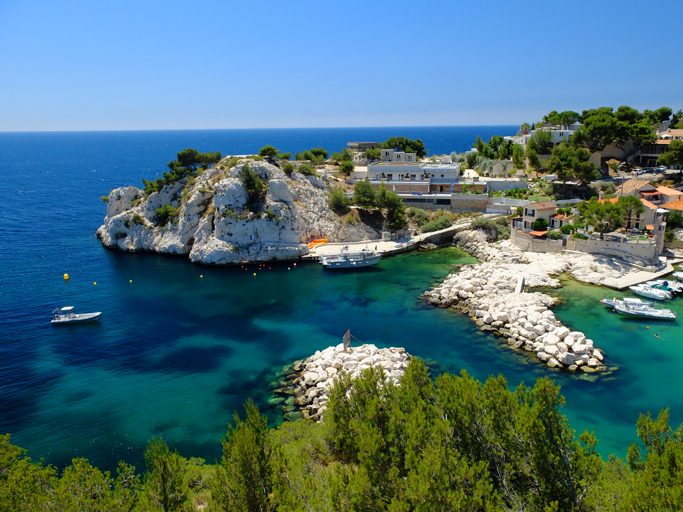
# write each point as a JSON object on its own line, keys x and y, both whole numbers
{"x": 417, "y": 215}
{"x": 555, "y": 235}
{"x": 166, "y": 214}
{"x": 306, "y": 170}
{"x": 339, "y": 201}
{"x": 268, "y": 151}
{"x": 288, "y": 169}
{"x": 346, "y": 168}
{"x": 540, "y": 225}
{"x": 566, "y": 229}
{"x": 442, "y": 222}
{"x": 270, "y": 214}
{"x": 104, "y": 199}
{"x": 137, "y": 219}
{"x": 580, "y": 236}
{"x": 255, "y": 186}
{"x": 364, "y": 195}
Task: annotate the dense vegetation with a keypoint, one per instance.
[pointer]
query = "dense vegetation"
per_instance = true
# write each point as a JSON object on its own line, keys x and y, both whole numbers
{"x": 189, "y": 162}
{"x": 428, "y": 445}
{"x": 406, "y": 145}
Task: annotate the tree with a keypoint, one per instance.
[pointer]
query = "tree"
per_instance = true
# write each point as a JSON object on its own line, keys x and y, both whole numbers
{"x": 284, "y": 156}
{"x": 396, "y": 210}
{"x": 540, "y": 225}
{"x": 599, "y": 129}
{"x": 320, "y": 153}
{"x": 518, "y": 156}
{"x": 674, "y": 220}
{"x": 603, "y": 217}
{"x": 565, "y": 118}
{"x": 364, "y": 195}
{"x": 525, "y": 128}
{"x": 164, "y": 479}
{"x": 673, "y": 156}
{"x": 306, "y": 170}
{"x": 571, "y": 163}
{"x": 632, "y": 207}
{"x": 338, "y": 201}
{"x": 373, "y": 154}
{"x": 541, "y": 142}
{"x": 534, "y": 160}
{"x": 244, "y": 479}
{"x": 346, "y": 168}
{"x": 268, "y": 151}
{"x": 406, "y": 145}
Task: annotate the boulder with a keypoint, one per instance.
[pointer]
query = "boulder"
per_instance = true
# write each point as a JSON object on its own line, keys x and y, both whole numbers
{"x": 566, "y": 358}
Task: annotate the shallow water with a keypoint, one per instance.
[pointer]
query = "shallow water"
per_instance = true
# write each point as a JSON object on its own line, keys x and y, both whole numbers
{"x": 175, "y": 354}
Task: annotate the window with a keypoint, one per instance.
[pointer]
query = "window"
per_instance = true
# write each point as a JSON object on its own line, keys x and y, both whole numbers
{"x": 390, "y": 176}
{"x": 442, "y": 175}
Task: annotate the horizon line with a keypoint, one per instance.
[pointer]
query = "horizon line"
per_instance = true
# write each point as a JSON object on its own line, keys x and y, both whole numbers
{"x": 271, "y": 128}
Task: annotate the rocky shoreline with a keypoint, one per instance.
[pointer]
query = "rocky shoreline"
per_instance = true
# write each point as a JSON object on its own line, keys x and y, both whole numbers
{"x": 492, "y": 294}
{"x": 303, "y": 391}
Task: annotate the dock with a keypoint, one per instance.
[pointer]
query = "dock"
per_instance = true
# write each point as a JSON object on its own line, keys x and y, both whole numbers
{"x": 641, "y": 276}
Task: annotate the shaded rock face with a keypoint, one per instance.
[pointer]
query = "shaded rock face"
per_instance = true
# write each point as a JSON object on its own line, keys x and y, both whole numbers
{"x": 214, "y": 224}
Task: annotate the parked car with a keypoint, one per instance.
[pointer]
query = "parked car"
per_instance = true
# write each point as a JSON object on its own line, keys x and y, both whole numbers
{"x": 550, "y": 177}
{"x": 661, "y": 168}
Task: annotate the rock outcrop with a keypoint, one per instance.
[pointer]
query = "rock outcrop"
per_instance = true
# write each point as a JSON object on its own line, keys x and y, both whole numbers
{"x": 489, "y": 293}
{"x": 308, "y": 386}
{"x": 214, "y": 225}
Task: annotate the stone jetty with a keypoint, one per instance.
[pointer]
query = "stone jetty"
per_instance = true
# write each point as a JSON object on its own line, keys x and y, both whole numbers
{"x": 309, "y": 382}
{"x": 487, "y": 293}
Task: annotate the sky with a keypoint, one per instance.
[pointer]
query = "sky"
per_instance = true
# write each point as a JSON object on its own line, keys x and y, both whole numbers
{"x": 211, "y": 64}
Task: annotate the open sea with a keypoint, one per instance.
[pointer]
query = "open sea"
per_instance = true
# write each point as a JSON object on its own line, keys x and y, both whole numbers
{"x": 176, "y": 354}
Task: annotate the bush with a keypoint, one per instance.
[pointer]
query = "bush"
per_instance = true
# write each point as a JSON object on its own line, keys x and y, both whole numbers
{"x": 166, "y": 214}
{"x": 498, "y": 227}
{"x": 104, "y": 199}
{"x": 566, "y": 229}
{"x": 555, "y": 235}
{"x": 288, "y": 169}
{"x": 137, "y": 219}
{"x": 284, "y": 156}
{"x": 338, "y": 201}
{"x": 417, "y": 215}
{"x": 364, "y": 195}
{"x": 540, "y": 225}
{"x": 346, "y": 168}
{"x": 442, "y": 222}
{"x": 256, "y": 187}
{"x": 373, "y": 154}
{"x": 268, "y": 151}
{"x": 306, "y": 170}
{"x": 580, "y": 236}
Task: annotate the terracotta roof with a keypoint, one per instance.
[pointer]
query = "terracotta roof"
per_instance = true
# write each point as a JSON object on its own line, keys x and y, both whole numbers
{"x": 561, "y": 216}
{"x": 669, "y": 191}
{"x": 538, "y": 233}
{"x": 610, "y": 200}
{"x": 650, "y": 205}
{"x": 650, "y": 193}
{"x": 631, "y": 185}
{"x": 545, "y": 205}
{"x": 651, "y": 227}
{"x": 674, "y": 205}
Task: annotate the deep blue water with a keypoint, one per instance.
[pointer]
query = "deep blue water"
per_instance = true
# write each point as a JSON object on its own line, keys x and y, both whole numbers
{"x": 175, "y": 353}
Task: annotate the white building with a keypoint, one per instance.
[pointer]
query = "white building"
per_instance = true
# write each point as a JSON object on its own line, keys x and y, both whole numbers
{"x": 401, "y": 172}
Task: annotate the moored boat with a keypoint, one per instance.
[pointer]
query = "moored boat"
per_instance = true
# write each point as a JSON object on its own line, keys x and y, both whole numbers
{"x": 66, "y": 315}
{"x": 678, "y": 275}
{"x": 645, "y": 312}
{"x": 649, "y": 292}
{"x": 669, "y": 286}
{"x": 347, "y": 259}
{"x": 627, "y": 301}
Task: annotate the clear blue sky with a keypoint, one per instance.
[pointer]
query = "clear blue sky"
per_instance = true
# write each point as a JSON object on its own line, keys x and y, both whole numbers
{"x": 109, "y": 65}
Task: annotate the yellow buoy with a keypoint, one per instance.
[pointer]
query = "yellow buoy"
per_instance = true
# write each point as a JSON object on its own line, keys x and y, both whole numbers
{"x": 254, "y": 273}
{"x": 95, "y": 284}
{"x": 201, "y": 277}
{"x": 66, "y": 277}
{"x": 130, "y": 281}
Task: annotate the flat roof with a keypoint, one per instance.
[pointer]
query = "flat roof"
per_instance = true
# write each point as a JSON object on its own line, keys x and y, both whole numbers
{"x": 544, "y": 205}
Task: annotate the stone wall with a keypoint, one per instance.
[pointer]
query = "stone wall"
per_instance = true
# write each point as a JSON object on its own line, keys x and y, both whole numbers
{"x": 469, "y": 202}
{"x": 531, "y": 244}
{"x": 505, "y": 184}
{"x": 646, "y": 251}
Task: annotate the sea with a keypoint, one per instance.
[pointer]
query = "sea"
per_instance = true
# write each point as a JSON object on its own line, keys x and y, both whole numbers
{"x": 181, "y": 347}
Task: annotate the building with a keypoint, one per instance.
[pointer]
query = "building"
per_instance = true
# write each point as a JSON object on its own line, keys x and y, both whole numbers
{"x": 559, "y": 134}
{"x": 644, "y": 190}
{"x": 560, "y": 219}
{"x": 535, "y": 211}
{"x": 402, "y": 173}
{"x": 652, "y": 219}
{"x": 675, "y": 205}
{"x": 360, "y": 147}
{"x": 649, "y": 153}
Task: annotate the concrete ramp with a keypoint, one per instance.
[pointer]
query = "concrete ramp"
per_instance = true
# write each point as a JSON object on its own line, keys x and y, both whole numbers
{"x": 520, "y": 285}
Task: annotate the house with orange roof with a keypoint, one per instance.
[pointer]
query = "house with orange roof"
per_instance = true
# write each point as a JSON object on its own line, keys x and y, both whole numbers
{"x": 675, "y": 205}
{"x": 649, "y": 153}
{"x": 535, "y": 211}
{"x": 652, "y": 219}
{"x": 645, "y": 190}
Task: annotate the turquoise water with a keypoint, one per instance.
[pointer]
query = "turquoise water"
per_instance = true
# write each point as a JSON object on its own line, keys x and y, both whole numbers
{"x": 175, "y": 354}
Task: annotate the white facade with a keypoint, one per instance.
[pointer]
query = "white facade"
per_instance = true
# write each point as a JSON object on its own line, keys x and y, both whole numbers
{"x": 389, "y": 155}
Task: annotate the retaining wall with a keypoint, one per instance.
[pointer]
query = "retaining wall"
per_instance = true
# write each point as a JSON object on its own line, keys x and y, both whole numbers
{"x": 469, "y": 202}
{"x": 643, "y": 250}
{"x": 531, "y": 244}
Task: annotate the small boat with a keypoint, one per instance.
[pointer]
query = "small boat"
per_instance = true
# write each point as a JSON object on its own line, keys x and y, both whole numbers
{"x": 66, "y": 315}
{"x": 645, "y": 312}
{"x": 610, "y": 303}
{"x": 347, "y": 259}
{"x": 678, "y": 275}
{"x": 649, "y": 292}
{"x": 669, "y": 286}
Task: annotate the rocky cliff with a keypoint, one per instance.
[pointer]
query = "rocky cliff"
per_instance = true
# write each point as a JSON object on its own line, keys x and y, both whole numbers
{"x": 212, "y": 221}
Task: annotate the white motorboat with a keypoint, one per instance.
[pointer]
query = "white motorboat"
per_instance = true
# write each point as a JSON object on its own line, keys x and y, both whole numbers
{"x": 645, "y": 312}
{"x": 347, "y": 259}
{"x": 649, "y": 292}
{"x": 66, "y": 315}
{"x": 678, "y": 275}
{"x": 669, "y": 286}
{"x": 627, "y": 301}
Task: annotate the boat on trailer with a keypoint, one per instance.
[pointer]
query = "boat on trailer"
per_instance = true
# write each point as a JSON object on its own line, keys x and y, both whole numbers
{"x": 66, "y": 315}
{"x": 348, "y": 259}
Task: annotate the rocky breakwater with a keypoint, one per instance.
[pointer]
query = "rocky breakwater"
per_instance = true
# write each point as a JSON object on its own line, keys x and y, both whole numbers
{"x": 212, "y": 219}
{"x": 490, "y": 294}
{"x": 307, "y": 386}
